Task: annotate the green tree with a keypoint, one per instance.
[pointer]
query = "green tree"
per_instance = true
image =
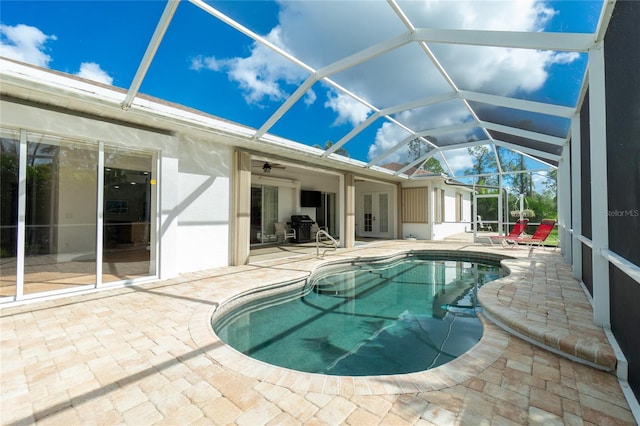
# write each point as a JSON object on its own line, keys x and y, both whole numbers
{"x": 329, "y": 144}
{"x": 418, "y": 147}
{"x": 433, "y": 165}
{"x": 484, "y": 163}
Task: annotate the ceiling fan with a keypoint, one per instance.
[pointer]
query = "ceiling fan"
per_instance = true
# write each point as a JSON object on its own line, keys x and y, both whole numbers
{"x": 266, "y": 166}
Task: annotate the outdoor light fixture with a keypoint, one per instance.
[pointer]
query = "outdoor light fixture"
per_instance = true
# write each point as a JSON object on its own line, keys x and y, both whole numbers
{"x": 266, "y": 168}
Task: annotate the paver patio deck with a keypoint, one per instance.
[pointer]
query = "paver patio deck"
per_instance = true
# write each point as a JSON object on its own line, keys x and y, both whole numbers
{"x": 146, "y": 354}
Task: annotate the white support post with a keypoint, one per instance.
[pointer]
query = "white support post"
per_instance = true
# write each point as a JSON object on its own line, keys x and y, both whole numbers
{"x": 500, "y": 206}
{"x": 576, "y": 198}
{"x": 22, "y": 214}
{"x": 599, "y": 205}
{"x": 100, "y": 215}
{"x": 564, "y": 205}
{"x": 474, "y": 210}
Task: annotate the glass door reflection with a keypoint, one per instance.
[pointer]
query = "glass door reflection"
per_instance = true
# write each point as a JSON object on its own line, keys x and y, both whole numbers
{"x": 127, "y": 227}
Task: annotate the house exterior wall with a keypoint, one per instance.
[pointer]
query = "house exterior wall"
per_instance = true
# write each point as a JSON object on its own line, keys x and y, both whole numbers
{"x": 193, "y": 179}
{"x": 203, "y": 204}
{"x": 449, "y": 226}
{"x": 434, "y": 229}
{"x": 375, "y": 189}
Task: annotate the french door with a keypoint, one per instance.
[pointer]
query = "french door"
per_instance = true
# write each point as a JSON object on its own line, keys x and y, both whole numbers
{"x": 375, "y": 215}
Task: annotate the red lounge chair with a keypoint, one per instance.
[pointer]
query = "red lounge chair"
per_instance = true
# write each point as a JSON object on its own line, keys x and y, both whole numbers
{"x": 538, "y": 237}
{"x": 516, "y": 231}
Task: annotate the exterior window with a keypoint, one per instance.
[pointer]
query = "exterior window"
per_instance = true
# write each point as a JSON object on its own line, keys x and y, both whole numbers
{"x": 415, "y": 205}
{"x": 459, "y": 210}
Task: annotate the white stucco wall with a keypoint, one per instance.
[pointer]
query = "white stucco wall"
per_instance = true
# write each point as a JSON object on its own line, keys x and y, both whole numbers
{"x": 449, "y": 226}
{"x": 203, "y": 204}
{"x": 193, "y": 181}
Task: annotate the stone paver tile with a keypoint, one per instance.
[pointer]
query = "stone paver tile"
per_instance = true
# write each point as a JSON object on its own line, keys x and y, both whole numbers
{"x": 376, "y": 405}
{"x": 126, "y": 398}
{"x": 336, "y": 411}
{"x": 221, "y": 411}
{"x": 477, "y": 405}
{"x": 298, "y": 407}
{"x": 201, "y": 392}
{"x": 546, "y": 401}
{"x": 319, "y": 399}
{"x": 603, "y": 412}
{"x": 519, "y": 415}
{"x": 145, "y": 413}
{"x": 283, "y": 419}
{"x": 438, "y": 415}
{"x": 362, "y": 417}
{"x": 409, "y": 407}
{"x": 168, "y": 401}
{"x": 498, "y": 420}
{"x": 273, "y": 393}
{"x": 542, "y": 417}
{"x": 187, "y": 414}
{"x": 506, "y": 395}
{"x": 393, "y": 419}
{"x": 259, "y": 414}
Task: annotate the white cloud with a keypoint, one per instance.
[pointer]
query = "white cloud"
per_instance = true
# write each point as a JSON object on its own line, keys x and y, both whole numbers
{"x": 28, "y": 44}
{"x": 387, "y": 136}
{"x": 263, "y": 75}
{"x": 459, "y": 160}
{"x": 92, "y": 71}
{"x": 348, "y": 109}
{"x": 25, "y": 43}
{"x": 321, "y": 33}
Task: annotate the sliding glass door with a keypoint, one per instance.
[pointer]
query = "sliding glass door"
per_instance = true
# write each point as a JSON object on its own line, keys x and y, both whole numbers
{"x": 73, "y": 215}
{"x": 127, "y": 224}
{"x": 60, "y": 214}
{"x": 264, "y": 214}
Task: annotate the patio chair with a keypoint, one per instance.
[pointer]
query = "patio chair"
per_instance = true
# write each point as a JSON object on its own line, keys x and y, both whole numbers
{"x": 482, "y": 226}
{"x": 516, "y": 232}
{"x": 538, "y": 237}
{"x": 283, "y": 233}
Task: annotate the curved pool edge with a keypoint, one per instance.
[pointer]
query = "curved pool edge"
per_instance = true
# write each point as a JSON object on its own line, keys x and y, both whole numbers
{"x": 502, "y": 299}
{"x": 490, "y": 347}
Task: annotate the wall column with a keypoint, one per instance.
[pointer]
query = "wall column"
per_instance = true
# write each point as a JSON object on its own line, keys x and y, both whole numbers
{"x": 241, "y": 208}
{"x": 564, "y": 204}
{"x": 349, "y": 236}
{"x": 599, "y": 202}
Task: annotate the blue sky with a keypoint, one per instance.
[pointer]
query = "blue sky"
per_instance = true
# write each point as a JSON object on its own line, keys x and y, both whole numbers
{"x": 205, "y": 64}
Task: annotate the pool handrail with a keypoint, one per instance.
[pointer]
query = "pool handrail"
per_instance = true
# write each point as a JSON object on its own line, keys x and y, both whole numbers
{"x": 320, "y": 233}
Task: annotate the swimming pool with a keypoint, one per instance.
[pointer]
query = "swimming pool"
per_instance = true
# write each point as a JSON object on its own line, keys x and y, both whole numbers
{"x": 392, "y": 316}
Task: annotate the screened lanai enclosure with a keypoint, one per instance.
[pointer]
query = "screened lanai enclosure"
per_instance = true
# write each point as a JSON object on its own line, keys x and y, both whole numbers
{"x": 159, "y": 145}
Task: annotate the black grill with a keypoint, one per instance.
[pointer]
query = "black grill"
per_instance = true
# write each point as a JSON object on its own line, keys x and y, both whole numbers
{"x": 302, "y": 225}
